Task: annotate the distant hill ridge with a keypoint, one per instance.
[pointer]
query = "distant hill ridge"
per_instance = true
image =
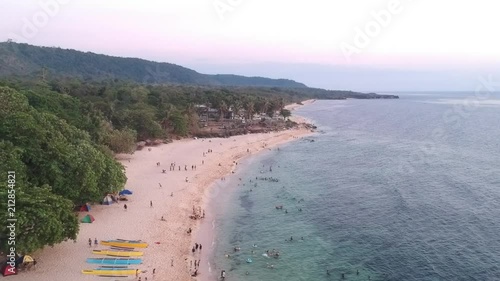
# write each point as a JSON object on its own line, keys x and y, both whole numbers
{"x": 23, "y": 60}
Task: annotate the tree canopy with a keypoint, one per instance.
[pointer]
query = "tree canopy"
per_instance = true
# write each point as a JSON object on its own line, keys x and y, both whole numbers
{"x": 56, "y": 164}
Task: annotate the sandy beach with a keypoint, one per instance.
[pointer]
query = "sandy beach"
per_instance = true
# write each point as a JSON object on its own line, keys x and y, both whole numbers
{"x": 172, "y": 195}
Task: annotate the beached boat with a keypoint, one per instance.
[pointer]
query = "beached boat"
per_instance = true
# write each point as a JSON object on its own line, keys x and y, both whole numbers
{"x": 117, "y": 253}
{"x": 109, "y": 272}
{"x": 114, "y": 261}
{"x": 125, "y": 243}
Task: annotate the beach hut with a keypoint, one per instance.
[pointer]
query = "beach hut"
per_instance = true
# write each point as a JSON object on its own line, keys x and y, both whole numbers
{"x": 125, "y": 192}
{"x": 8, "y": 269}
{"x": 108, "y": 200}
{"x": 85, "y": 208}
{"x": 88, "y": 219}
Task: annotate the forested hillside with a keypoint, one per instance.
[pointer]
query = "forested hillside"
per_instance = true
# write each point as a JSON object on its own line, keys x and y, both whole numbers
{"x": 27, "y": 60}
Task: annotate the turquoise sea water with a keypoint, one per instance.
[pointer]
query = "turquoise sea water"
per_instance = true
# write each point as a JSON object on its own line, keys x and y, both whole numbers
{"x": 397, "y": 190}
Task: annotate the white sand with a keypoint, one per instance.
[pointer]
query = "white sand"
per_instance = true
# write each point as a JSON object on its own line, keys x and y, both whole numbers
{"x": 64, "y": 261}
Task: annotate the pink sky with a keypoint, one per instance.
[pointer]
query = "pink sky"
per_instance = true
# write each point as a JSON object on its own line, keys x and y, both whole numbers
{"x": 216, "y": 34}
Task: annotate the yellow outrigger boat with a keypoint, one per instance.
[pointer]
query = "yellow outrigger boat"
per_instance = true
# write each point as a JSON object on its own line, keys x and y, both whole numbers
{"x": 118, "y": 253}
{"x": 125, "y": 243}
{"x": 109, "y": 272}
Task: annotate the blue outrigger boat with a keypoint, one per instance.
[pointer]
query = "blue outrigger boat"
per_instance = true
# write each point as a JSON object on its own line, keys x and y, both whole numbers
{"x": 112, "y": 261}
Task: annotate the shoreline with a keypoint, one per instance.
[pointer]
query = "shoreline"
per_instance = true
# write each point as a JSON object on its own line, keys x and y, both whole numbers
{"x": 169, "y": 244}
{"x": 205, "y": 232}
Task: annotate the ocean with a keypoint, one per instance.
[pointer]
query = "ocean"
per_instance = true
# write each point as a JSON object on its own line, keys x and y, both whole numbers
{"x": 394, "y": 190}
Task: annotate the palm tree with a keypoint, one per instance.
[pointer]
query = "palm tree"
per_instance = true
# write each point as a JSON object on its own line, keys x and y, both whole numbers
{"x": 223, "y": 108}
{"x": 249, "y": 107}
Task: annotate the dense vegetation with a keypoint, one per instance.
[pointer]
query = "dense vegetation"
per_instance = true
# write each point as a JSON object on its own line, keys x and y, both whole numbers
{"x": 56, "y": 165}
{"x": 24, "y": 59}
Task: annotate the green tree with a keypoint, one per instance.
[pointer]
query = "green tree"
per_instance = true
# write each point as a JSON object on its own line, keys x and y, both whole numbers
{"x": 43, "y": 218}
{"x": 56, "y": 153}
{"x": 285, "y": 113}
{"x": 179, "y": 123}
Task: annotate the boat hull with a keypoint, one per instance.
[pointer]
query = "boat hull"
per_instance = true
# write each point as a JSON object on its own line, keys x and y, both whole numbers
{"x": 117, "y": 253}
{"x": 114, "y": 261}
{"x": 124, "y": 244}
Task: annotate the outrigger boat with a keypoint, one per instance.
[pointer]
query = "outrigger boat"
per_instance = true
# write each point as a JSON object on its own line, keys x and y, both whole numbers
{"x": 117, "y": 253}
{"x": 109, "y": 272}
{"x": 114, "y": 261}
{"x": 125, "y": 243}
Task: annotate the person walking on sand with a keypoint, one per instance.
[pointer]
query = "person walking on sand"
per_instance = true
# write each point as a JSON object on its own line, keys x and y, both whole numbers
{"x": 125, "y": 206}
{"x": 151, "y": 204}
{"x": 95, "y": 242}
{"x": 90, "y": 242}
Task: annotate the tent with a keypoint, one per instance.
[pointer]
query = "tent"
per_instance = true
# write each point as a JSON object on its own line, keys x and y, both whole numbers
{"x": 107, "y": 200}
{"x": 125, "y": 192}
{"x": 85, "y": 208}
{"x": 25, "y": 259}
{"x": 88, "y": 219}
{"x": 8, "y": 269}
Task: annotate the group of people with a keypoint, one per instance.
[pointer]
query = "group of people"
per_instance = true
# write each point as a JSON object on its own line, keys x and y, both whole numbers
{"x": 139, "y": 278}
{"x": 173, "y": 165}
{"x": 90, "y": 242}
{"x": 197, "y": 213}
{"x": 196, "y": 247}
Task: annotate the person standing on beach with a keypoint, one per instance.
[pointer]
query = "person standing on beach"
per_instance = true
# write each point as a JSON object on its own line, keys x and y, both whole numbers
{"x": 95, "y": 242}
{"x": 125, "y": 206}
{"x": 151, "y": 204}
{"x": 90, "y": 242}
{"x": 200, "y": 247}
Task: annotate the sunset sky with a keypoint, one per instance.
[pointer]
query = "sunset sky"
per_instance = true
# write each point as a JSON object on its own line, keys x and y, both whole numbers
{"x": 414, "y": 45}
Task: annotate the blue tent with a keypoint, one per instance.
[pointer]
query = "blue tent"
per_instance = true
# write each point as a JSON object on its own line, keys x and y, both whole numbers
{"x": 125, "y": 192}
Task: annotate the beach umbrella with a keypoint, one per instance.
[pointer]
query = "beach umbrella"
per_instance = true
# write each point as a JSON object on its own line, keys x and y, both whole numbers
{"x": 125, "y": 192}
